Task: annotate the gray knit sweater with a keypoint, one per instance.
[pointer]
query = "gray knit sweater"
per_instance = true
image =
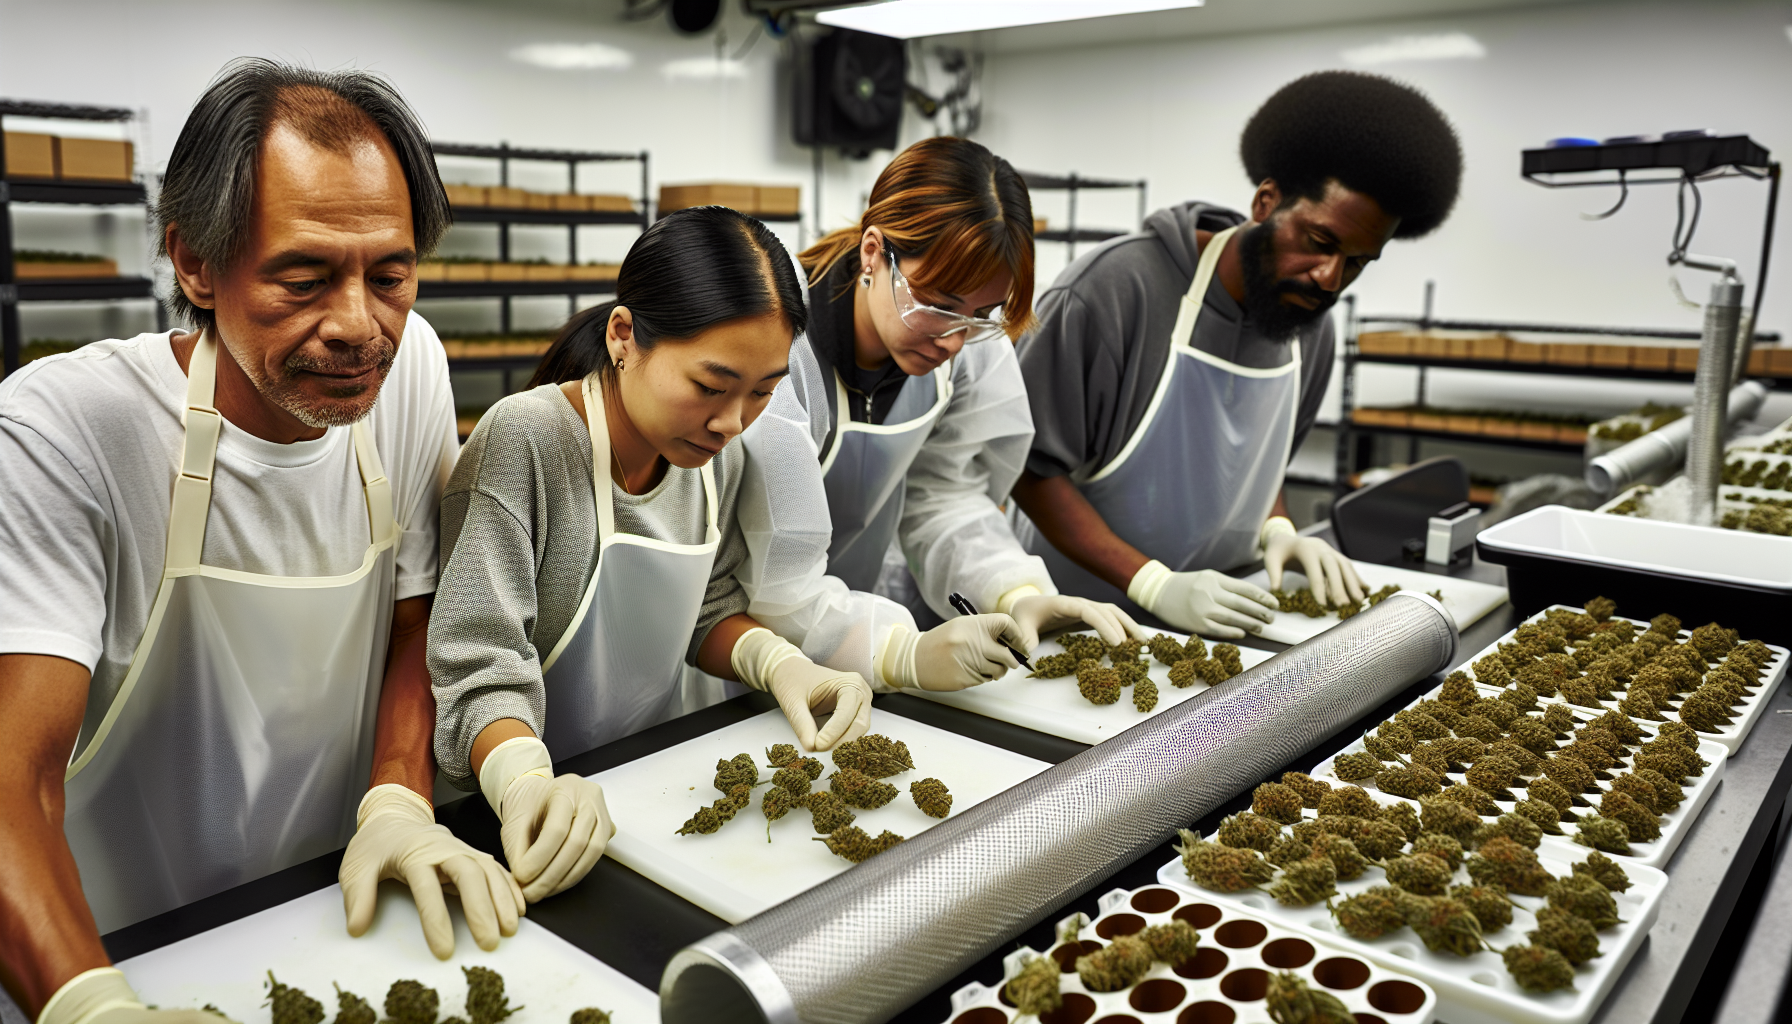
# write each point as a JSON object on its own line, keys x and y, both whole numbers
{"x": 519, "y": 546}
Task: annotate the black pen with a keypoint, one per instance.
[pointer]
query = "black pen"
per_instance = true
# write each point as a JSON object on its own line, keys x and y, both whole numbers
{"x": 965, "y": 607}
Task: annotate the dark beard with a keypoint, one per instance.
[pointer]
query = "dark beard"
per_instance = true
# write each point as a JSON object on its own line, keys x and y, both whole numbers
{"x": 1263, "y": 291}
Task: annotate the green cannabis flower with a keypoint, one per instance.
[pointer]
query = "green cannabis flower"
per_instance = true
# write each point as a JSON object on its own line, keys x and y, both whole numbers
{"x": 1459, "y": 690}
{"x": 1287, "y": 850}
{"x": 486, "y": 1002}
{"x": 408, "y": 1002}
{"x": 1277, "y": 802}
{"x": 739, "y": 771}
{"x": 860, "y": 790}
{"x": 1542, "y": 814}
{"x": 1228, "y": 658}
{"x": 828, "y": 812}
{"x": 1248, "y": 831}
{"x": 1357, "y": 767}
{"x": 1421, "y": 725}
{"x": 1371, "y": 913}
{"x": 780, "y": 755}
{"x": 1186, "y": 673}
{"x": 1600, "y": 609}
{"x": 1172, "y": 943}
{"x": 1638, "y": 789}
{"x": 1572, "y": 775}
{"x": 1585, "y": 897}
{"x": 590, "y": 1015}
{"x": 1420, "y": 873}
{"x": 1347, "y": 860}
{"x": 857, "y": 845}
{"x": 1054, "y": 666}
{"x": 1515, "y": 827}
{"x": 932, "y": 797}
{"x": 1378, "y": 840}
{"x": 1144, "y": 694}
{"x": 1412, "y": 783}
{"x": 874, "y": 754}
{"x": 1119, "y": 965}
{"x": 776, "y": 803}
{"x": 1034, "y": 988}
{"x": 1488, "y": 902}
{"x": 1444, "y": 847}
{"x": 1311, "y": 790}
{"x": 1603, "y": 834}
{"x": 1098, "y": 685}
{"x": 1567, "y": 934}
{"x": 1305, "y": 882}
{"x": 1086, "y": 646}
{"x": 1167, "y": 649}
{"x": 1668, "y": 794}
{"x": 1221, "y": 868}
{"x": 1446, "y": 926}
{"x": 293, "y": 1006}
{"x": 1403, "y": 816}
{"x": 1538, "y": 968}
{"x": 1492, "y": 774}
{"x": 793, "y": 778}
{"x": 1351, "y": 800}
{"x": 1642, "y": 824}
{"x": 350, "y": 1008}
{"x": 1604, "y": 870}
{"x": 1290, "y": 1000}
{"x": 1515, "y": 868}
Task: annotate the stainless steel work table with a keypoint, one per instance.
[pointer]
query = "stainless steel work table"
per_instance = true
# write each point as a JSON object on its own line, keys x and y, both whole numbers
{"x": 1666, "y": 981}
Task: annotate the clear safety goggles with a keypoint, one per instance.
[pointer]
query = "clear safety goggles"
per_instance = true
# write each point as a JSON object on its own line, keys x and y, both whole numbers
{"x": 933, "y": 321}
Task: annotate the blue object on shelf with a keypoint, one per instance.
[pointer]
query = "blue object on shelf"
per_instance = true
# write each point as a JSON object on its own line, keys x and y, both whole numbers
{"x": 1571, "y": 141}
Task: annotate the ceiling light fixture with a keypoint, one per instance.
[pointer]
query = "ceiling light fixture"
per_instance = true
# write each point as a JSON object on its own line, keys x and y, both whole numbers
{"x": 1442, "y": 46}
{"x": 908, "y": 19}
{"x": 574, "y": 56}
{"x": 703, "y": 69}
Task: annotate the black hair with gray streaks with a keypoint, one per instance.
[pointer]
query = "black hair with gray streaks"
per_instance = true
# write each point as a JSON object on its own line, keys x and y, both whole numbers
{"x": 208, "y": 190}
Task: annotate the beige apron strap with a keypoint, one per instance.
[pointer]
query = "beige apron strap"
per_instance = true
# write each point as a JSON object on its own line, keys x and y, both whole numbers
{"x": 1190, "y": 310}
{"x": 193, "y": 485}
{"x": 599, "y": 429}
{"x": 380, "y": 521}
{"x": 711, "y": 533}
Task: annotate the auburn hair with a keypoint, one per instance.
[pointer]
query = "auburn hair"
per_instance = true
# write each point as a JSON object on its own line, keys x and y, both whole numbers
{"x": 963, "y": 209}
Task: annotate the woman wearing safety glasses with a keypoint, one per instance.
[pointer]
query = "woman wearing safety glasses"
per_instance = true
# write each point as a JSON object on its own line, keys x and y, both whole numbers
{"x": 912, "y": 316}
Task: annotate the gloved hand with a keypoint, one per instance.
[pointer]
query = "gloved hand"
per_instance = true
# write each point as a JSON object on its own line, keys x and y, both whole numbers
{"x": 765, "y": 661}
{"x": 396, "y": 836}
{"x": 958, "y": 653}
{"x": 1035, "y": 613}
{"x": 1206, "y": 602}
{"x": 102, "y": 996}
{"x": 553, "y": 829}
{"x": 1330, "y": 576}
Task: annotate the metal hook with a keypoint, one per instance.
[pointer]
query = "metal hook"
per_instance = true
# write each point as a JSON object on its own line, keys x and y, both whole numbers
{"x": 1623, "y": 194}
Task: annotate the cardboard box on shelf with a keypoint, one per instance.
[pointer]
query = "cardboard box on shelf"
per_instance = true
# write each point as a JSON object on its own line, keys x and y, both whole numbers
{"x": 1609, "y": 354}
{"x": 1568, "y": 433}
{"x": 432, "y": 270}
{"x": 465, "y": 195}
{"x": 1567, "y": 353}
{"x": 606, "y": 202}
{"x": 1496, "y": 426}
{"x": 508, "y": 271}
{"x": 1373, "y": 417}
{"x": 539, "y": 200}
{"x": 467, "y": 271}
{"x": 1533, "y": 430}
{"x": 1524, "y": 352}
{"x": 544, "y": 271}
{"x": 1430, "y": 420}
{"x": 570, "y": 201}
{"x": 783, "y": 200}
{"x": 94, "y": 159}
{"x": 1456, "y": 347}
{"x": 25, "y": 271}
{"x": 1779, "y": 361}
{"x": 1462, "y": 424}
{"x": 507, "y": 197}
{"x": 1686, "y": 360}
{"x": 30, "y": 155}
{"x": 1385, "y": 343}
{"x": 595, "y": 272}
{"x": 683, "y": 197}
{"x": 1652, "y": 357}
{"x": 1493, "y": 348}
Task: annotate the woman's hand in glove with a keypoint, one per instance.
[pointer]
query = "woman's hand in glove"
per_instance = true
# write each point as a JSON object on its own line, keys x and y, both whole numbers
{"x": 961, "y": 652}
{"x": 1330, "y": 576}
{"x": 396, "y": 836}
{"x": 553, "y": 829}
{"x": 765, "y": 661}
{"x": 1206, "y": 602}
{"x": 1037, "y": 613}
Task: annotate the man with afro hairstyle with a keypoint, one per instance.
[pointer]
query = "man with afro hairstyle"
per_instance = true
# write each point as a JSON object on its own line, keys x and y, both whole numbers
{"x": 1171, "y": 378}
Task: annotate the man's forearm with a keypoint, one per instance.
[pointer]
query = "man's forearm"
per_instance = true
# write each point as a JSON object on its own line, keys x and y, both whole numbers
{"x": 1066, "y": 518}
{"x": 47, "y": 933}
{"x": 403, "y": 739}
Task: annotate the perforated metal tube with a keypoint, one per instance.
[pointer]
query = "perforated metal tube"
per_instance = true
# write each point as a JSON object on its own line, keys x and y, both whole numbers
{"x": 1710, "y": 399}
{"x": 865, "y": 944}
{"x": 1665, "y": 448}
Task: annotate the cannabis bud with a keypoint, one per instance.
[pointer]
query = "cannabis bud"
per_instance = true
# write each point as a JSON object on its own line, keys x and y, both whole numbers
{"x": 776, "y": 803}
{"x": 781, "y": 755}
{"x": 1404, "y": 817}
{"x": 1348, "y": 861}
{"x": 1604, "y": 870}
{"x": 1352, "y": 800}
{"x": 486, "y": 1002}
{"x": 1459, "y": 690}
{"x": 1445, "y": 925}
{"x": 874, "y": 754}
{"x": 1565, "y": 933}
{"x": 1117, "y": 966}
{"x": 1601, "y": 608}
{"x": 293, "y": 1006}
{"x": 856, "y": 845}
{"x": 1144, "y": 694}
{"x": 1641, "y": 823}
{"x": 1098, "y": 685}
{"x": 351, "y": 1008}
{"x": 1173, "y": 943}
{"x": 1421, "y": 873}
{"x": 1054, "y": 666}
{"x": 739, "y": 771}
{"x": 828, "y": 813}
{"x": 1487, "y": 902}
{"x": 861, "y": 790}
{"x": 1502, "y": 862}
{"x": 1248, "y": 831}
{"x": 1167, "y": 649}
{"x": 1443, "y": 847}
{"x": 1372, "y": 913}
{"x": 1034, "y": 988}
{"x": 1603, "y": 834}
{"x": 1291, "y": 1001}
{"x": 1538, "y": 968}
{"x": 1356, "y": 767}
{"x": 590, "y": 1015}
{"x": 1515, "y": 827}
{"x": 932, "y": 797}
{"x": 1309, "y": 788}
{"x": 1412, "y": 783}
{"x": 1186, "y": 673}
{"x": 1276, "y": 802}
{"x": 408, "y": 1002}
{"x": 1584, "y": 897}
{"x": 1287, "y": 850}
{"x": 793, "y": 778}
{"x": 1221, "y": 868}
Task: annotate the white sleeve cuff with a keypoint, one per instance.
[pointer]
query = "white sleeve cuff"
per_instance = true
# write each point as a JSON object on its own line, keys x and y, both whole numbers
{"x": 1147, "y": 584}
{"x": 509, "y": 761}
{"x": 1005, "y": 604}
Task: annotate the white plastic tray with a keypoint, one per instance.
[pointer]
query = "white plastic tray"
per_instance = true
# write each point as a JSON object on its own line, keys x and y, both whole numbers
{"x": 1237, "y": 949}
{"x": 1466, "y": 600}
{"x": 306, "y": 943}
{"x": 1055, "y": 706}
{"x": 1475, "y": 989}
{"x": 1704, "y": 553}
{"x": 734, "y": 873}
{"x": 1730, "y": 737}
{"x": 1655, "y": 853}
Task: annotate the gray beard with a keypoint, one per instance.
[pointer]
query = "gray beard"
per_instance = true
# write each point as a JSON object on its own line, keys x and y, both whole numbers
{"x": 286, "y": 393}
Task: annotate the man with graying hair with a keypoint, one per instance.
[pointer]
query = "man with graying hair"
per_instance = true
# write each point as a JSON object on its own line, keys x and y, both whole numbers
{"x": 218, "y": 550}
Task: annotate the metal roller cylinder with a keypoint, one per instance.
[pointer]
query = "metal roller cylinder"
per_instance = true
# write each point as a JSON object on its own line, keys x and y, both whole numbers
{"x": 1710, "y": 396}
{"x": 1665, "y": 448}
{"x": 864, "y": 945}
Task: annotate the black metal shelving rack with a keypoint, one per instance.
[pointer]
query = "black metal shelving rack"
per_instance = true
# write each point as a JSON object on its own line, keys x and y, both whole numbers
{"x": 59, "y": 192}
{"x": 1353, "y": 452}
{"x": 572, "y": 220}
{"x": 1071, "y": 184}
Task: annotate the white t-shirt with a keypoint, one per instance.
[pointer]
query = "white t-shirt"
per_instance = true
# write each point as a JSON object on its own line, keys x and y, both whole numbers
{"x": 90, "y": 445}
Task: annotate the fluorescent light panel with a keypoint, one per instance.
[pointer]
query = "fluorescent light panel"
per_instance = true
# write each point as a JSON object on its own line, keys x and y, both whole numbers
{"x": 908, "y": 19}
{"x": 1401, "y": 49}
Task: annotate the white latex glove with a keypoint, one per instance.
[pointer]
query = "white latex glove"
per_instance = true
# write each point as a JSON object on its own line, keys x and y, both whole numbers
{"x": 396, "y": 836}
{"x": 1036, "y": 612}
{"x": 102, "y": 996}
{"x": 553, "y": 830}
{"x": 765, "y": 661}
{"x": 958, "y": 653}
{"x": 1330, "y": 576}
{"x": 1206, "y": 602}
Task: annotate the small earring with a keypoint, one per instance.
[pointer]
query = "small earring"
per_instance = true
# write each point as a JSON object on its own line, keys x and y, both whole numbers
{"x": 618, "y": 366}
{"x": 865, "y": 278}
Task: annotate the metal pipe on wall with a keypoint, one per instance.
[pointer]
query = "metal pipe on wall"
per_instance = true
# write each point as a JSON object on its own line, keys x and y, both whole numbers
{"x": 1665, "y": 448}
{"x": 865, "y": 944}
{"x": 1711, "y": 397}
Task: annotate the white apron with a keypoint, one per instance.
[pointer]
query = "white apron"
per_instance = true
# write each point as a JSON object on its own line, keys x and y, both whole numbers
{"x": 241, "y": 739}
{"x": 863, "y": 472}
{"x": 1199, "y": 476}
{"x": 617, "y": 669}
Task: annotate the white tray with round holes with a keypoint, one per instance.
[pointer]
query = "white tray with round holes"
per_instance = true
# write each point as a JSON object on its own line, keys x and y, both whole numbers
{"x": 1223, "y": 984}
{"x": 1475, "y": 989}
{"x": 1730, "y": 736}
{"x": 1056, "y": 707}
{"x": 1656, "y": 853}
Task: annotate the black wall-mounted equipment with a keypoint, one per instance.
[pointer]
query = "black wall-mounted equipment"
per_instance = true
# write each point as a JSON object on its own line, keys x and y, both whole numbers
{"x": 849, "y": 88}
{"x": 694, "y": 17}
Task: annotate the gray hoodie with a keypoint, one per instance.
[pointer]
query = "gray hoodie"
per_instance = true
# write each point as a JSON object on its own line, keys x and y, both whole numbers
{"x": 1104, "y": 336}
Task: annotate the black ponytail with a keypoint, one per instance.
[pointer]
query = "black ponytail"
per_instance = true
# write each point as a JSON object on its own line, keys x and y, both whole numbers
{"x": 690, "y": 271}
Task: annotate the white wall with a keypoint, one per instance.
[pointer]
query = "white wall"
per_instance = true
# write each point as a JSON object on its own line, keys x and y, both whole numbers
{"x": 1171, "y": 112}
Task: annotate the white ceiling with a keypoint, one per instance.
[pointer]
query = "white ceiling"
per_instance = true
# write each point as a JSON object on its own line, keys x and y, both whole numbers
{"x": 1230, "y": 17}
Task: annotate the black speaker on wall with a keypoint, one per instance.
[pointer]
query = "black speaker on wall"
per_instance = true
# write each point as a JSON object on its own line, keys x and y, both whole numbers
{"x": 848, "y": 91}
